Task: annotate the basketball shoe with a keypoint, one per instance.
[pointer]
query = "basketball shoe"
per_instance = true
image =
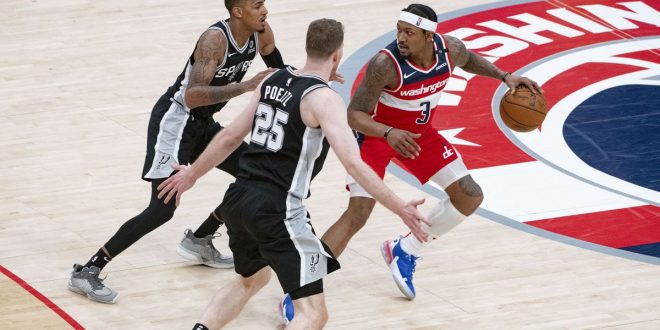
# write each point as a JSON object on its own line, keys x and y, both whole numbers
{"x": 202, "y": 251}
{"x": 401, "y": 264}
{"x": 286, "y": 309}
{"x": 86, "y": 281}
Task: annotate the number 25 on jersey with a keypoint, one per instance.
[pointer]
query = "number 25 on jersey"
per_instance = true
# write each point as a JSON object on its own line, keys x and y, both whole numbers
{"x": 268, "y": 127}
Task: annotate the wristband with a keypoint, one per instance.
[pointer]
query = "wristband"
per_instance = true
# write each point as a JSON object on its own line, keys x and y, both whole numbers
{"x": 388, "y": 132}
{"x": 504, "y": 76}
{"x": 274, "y": 59}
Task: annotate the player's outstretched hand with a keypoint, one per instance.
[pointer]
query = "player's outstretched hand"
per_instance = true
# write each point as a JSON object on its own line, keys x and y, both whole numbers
{"x": 415, "y": 221}
{"x": 177, "y": 184}
{"x": 404, "y": 142}
{"x": 254, "y": 82}
{"x": 513, "y": 81}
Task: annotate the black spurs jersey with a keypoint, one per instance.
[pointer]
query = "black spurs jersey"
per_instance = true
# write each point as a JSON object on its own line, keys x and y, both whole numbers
{"x": 231, "y": 70}
{"x": 283, "y": 150}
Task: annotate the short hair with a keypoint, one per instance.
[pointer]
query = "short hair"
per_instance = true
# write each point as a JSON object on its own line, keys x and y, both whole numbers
{"x": 423, "y": 11}
{"x": 231, "y": 4}
{"x": 324, "y": 37}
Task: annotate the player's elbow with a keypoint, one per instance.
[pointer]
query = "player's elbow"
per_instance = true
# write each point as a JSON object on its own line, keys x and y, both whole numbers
{"x": 193, "y": 98}
{"x": 352, "y": 119}
{"x": 234, "y": 139}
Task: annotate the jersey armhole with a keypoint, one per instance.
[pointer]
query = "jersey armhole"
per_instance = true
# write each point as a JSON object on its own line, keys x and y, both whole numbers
{"x": 307, "y": 91}
{"x": 444, "y": 46}
{"x": 311, "y": 89}
{"x": 398, "y": 71}
{"x": 224, "y": 57}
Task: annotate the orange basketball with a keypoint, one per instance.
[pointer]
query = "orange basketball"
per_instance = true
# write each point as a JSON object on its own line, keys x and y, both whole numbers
{"x": 523, "y": 111}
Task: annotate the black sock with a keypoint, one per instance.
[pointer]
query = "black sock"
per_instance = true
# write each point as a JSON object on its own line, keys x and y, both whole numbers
{"x": 199, "y": 326}
{"x": 100, "y": 259}
{"x": 209, "y": 226}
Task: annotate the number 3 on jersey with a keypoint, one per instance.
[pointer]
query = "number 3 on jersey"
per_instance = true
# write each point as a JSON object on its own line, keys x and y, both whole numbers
{"x": 268, "y": 127}
{"x": 426, "y": 113}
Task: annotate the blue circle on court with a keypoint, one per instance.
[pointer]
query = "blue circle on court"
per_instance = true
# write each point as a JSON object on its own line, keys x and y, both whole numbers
{"x": 617, "y": 131}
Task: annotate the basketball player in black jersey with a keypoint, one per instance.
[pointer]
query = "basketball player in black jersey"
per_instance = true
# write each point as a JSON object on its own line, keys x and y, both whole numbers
{"x": 416, "y": 52}
{"x": 290, "y": 116}
{"x": 180, "y": 127}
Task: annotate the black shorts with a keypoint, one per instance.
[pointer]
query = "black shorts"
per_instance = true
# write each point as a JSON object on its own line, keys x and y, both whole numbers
{"x": 177, "y": 137}
{"x": 263, "y": 232}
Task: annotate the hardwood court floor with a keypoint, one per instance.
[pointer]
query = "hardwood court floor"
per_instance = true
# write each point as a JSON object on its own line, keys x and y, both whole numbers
{"x": 78, "y": 79}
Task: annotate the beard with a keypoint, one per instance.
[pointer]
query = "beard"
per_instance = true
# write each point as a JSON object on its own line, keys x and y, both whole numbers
{"x": 401, "y": 52}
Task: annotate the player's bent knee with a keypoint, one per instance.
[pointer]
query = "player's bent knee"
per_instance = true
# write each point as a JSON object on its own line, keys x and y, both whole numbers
{"x": 167, "y": 213}
{"x": 263, "y": 276}
{"x": 468, "y": 205}
{"x": 257, "y": 281}
{"x": 153, "y": 217}
{"x": 472, "y": 203}
{"x": 466, "y": 195}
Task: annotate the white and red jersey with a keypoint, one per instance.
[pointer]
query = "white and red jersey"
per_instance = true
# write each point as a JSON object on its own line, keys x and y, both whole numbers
{"x": 410, "y": 105}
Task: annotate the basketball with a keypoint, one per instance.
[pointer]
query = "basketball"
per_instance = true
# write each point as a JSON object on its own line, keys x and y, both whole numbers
{"x": 523, "y": 111}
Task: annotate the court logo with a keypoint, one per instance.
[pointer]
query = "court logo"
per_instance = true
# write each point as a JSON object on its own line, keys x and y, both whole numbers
{"x": 590, "y": 176}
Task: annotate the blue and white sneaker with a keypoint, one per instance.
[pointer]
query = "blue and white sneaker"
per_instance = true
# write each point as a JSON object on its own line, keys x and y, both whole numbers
{"x": 402, "y": 265}
{"x": 286, "y": 309}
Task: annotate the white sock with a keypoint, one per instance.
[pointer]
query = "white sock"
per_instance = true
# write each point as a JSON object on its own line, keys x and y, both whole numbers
{"x": 444, "y": 217}
{"x": 411, "y": 245}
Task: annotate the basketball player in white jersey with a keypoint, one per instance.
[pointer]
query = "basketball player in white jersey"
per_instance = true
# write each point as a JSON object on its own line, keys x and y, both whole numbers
{"x": 392, "y": 111}
{"x": 289, "y": 116}
{"x": 180, "y": 127}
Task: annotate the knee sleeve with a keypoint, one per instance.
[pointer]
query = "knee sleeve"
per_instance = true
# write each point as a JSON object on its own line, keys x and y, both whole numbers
{"x": 444, "y": 217}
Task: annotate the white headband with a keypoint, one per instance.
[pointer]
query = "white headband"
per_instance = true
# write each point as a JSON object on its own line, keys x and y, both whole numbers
{"x": 418, "y": 21}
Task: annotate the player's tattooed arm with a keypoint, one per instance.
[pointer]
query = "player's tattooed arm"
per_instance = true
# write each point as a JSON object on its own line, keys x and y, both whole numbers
{"x": 210, "y": 51}
{"x": 470, "y": 61}
{"x": 474, "y": 63}
{"x": 381, "y": 73}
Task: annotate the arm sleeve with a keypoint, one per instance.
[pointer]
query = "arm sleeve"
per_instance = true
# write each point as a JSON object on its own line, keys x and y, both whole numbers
{"x": 274, "y": 59}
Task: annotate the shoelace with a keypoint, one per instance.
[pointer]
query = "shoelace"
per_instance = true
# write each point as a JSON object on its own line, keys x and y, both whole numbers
{"x": 413, "y": 263}
{"x": 209, "y": 238}
{"x": 96, "y": 282}
{"x": 208, "y": 241}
